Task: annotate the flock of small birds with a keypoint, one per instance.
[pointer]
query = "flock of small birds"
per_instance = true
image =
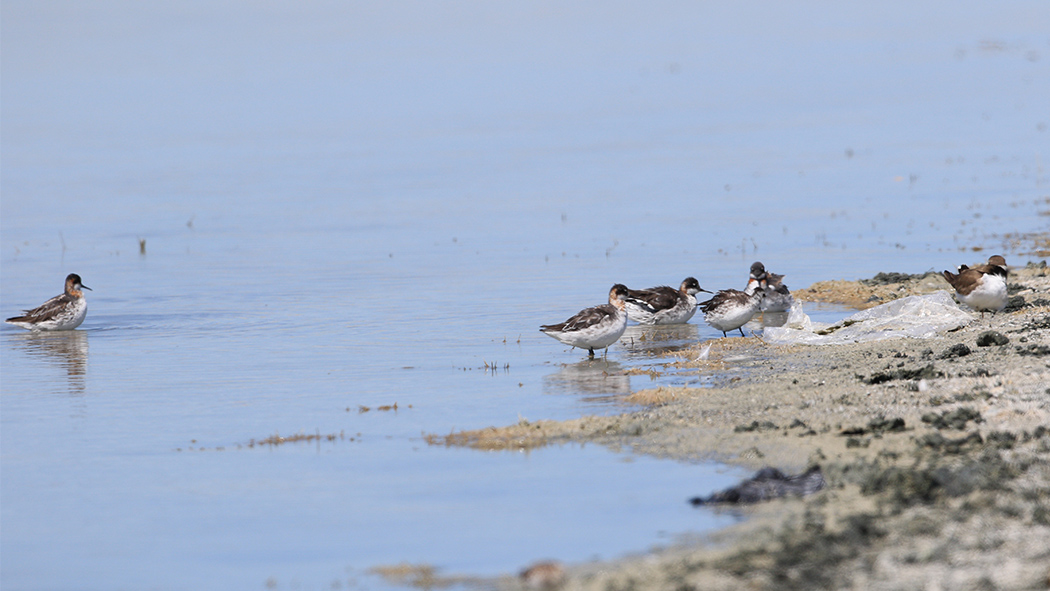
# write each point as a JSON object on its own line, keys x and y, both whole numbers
{"x": 982, "y": 288}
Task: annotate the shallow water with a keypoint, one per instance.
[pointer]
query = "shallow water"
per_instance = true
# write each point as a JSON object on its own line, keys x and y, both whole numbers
{"x": 349, "y": 207}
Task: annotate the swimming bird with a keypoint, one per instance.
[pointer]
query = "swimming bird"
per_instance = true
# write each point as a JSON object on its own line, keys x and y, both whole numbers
{"x": 731, "y": 309}
{"x": 664, "y": 305}
{"x": 62, "y": 312}
{"x": 983, "y": 287}
{"x": 594, "y": 328}
{"x": 778, "y": 297}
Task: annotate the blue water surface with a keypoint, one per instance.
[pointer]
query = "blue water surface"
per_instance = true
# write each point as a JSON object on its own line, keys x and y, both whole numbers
{"x": 348, "y": 205}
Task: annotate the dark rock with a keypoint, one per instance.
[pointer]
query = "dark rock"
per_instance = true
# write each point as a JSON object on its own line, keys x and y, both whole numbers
{"x": 989, "y": 471}
{"x": 1039, "y": 323}
{"x": 954, "y": 419}
{"x": 980, "y": 372}
{"x": 1002, "y": 439}
{"x": 1041, "y": 516}
{"x": 991, "y": 337}
{"x": 879, "y": 425}
{"x": 767, "y": 483}
{"x": 755, "y": 426}
{"x": 1014, "y": 304}
{"x": 1034, "y": 349}
{"x": 925, "y": 372}
{"x": 956, "y": 350}
{"x": 971, "y": 396}
{"x": 951, "y": 446}
{"x": 911, "y": 485}
{"x": 884, "y": 425}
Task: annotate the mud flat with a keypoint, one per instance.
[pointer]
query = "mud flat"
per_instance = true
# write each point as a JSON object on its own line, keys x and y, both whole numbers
{"x": 936, "y": 455}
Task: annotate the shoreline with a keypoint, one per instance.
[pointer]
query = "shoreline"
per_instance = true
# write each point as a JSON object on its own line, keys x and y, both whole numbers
{"x": 936, "y": 454}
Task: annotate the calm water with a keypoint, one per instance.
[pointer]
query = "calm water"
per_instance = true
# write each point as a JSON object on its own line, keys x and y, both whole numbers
{"x": 352, "y": 206}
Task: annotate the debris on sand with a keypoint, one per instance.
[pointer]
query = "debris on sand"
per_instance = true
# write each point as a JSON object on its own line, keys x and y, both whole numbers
{"x": 766, "y": 484}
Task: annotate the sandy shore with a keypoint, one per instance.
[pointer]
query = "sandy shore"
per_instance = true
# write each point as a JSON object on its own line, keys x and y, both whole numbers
{"x": 936, "y": 453}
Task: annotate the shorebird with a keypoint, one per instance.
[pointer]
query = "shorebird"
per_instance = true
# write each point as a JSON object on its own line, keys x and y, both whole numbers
{"x": 778, "y": 297}
{"x": 731, "y": 309}
{"x": 62, "y": 312}
{"x": 983, "y": 287}
{"x": 594, "y": 328}
{"x": 664, "y": 305}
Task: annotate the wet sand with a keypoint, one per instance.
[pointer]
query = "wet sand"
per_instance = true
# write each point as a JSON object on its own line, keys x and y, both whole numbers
{"x": 936, "y": 454}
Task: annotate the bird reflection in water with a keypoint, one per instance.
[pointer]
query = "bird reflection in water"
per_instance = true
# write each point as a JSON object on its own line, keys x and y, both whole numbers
{"x": 767, "y": 318}
{"x": 67, "y": 350}
{"x": 597, "y": 380}
{"x": 643, "y": 340}
{"x": 604, "y": 381}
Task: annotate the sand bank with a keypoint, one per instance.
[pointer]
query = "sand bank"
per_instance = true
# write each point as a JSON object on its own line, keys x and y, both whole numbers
{"x": 936, "y": 454}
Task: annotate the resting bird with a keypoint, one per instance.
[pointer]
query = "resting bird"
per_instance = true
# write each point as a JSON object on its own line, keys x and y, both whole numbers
{"x": 664, "y": 305}
{"x": 983, "y": 287}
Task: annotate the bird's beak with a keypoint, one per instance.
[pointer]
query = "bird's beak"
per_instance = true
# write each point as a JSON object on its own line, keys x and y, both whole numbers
{"x": 705, "y": 291}
{"x": 86, "y": 287}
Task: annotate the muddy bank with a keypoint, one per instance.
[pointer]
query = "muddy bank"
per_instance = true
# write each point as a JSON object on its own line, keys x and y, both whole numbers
{"x": 936, "y": 454}
{"x": 867, "y": 293}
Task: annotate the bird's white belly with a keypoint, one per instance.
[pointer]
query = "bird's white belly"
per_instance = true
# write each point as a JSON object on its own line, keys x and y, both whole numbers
{"x": 731, "y": 317}
{"x": 990, "y": 295}
{"x": 68, "y": 319}
{"x": 679, "y": 314}
{"x": 598, "y": 336}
